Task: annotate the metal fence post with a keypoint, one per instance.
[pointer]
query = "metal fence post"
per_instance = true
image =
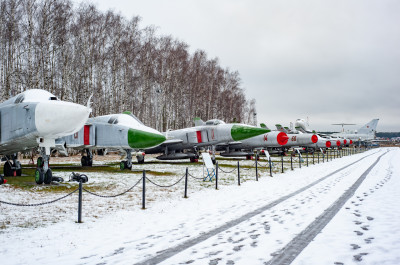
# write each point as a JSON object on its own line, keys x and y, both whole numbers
{"x": 80, "y": 203}
{"x": 291, "y": 160}
{"x": 307, "y": 156}
{"x": 313, "y": 157}
{"x": 318, "y": 157}
{"x": 238, "y": 174}
{"x": 256, "y": 167}
{"x": 299, "y": 160}
{"x": 186, "y": 180}
{"x": 216, "y": 176}
{"x": 144, "y": 190}
{"x": 282, "y": 162}
{"x": 270, "y": 166}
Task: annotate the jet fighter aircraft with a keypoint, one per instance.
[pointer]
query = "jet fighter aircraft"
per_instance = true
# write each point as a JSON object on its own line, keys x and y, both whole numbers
{"x": 365, "y": 133}
{"x": 210, "y": 133}
{"x": 123, "y": 132}
{"x": 35, "y": 118}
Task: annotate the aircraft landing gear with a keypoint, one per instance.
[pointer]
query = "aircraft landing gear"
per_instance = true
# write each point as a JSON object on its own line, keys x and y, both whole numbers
{"x": 140, "y": 158}
{"x": 87, "y": 161}
{"x": 127, "y": 164}
{"x": 43, "y": 173}
{"x": 12, "y": 168}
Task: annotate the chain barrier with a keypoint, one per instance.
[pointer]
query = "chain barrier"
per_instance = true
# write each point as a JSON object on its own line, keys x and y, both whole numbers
{"x": 252, "y": 166}
{"x": 227, "y": 171}
{"x": 190, "y": 175}
{"x": 42, "y": 203}
{"x": 165, "y": 186}
{"x": 112, "y": 196}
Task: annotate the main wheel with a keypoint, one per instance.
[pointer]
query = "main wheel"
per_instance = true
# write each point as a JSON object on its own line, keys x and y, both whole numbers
{"x": 39, "y": 176}
{"x": 19, "y": 170}
{"x": 122, "y": 165}
{"x": 40, "y": 161}
{"x": 1, "y": 180}
{"x": 48, "y": 177}
{"x": 84, "y": 161}
{"x": 8, "y": 172}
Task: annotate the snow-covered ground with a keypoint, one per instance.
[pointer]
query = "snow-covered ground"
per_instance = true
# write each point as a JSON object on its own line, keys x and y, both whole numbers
{"x": 247, "y": 224}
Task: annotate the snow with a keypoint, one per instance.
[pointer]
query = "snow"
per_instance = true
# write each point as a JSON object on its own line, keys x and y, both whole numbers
{"x": 118, "y": 231}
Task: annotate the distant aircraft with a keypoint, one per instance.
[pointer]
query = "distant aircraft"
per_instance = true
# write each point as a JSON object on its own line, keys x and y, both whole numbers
{"x": 35, "y": 118}
{"x": 365, "y": 133}
{"x": 123, "y": 132}
{"x": 185, "y": 143}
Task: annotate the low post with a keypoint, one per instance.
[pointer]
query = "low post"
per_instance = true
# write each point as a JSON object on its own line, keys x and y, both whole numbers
{"x": 144, "y": 190}
{"x": 80, "y": 203}
{"x": 291, "y": 160}
{"x": 216, "y": 176}
{"x": 318, "y": 157}
{"x": 313, "y": 157}
{"x": 307, "y": 156}
{"x": 327, "y": 155}
{"x": 299, "y": 160}
{"x": 256, "y": 167}
{"x": 270, "y": 167}
{"x": 282, "y": 162}
{"x": 238, "y": 174}
{"x": 186, "y": 180}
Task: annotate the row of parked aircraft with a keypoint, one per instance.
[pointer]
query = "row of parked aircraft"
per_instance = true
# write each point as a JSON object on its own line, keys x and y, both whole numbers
{"x": 38, "y": 119}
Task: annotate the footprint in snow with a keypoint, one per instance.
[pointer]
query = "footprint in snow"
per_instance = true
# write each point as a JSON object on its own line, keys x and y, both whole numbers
{"x": 359, "y": 233}
{"x": 355, "y": 246}
{"x": 369, "y": 218}
{"x": 359, "y": 256}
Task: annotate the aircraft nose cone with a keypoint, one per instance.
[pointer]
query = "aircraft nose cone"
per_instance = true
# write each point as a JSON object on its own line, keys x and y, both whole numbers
{"x": 241, "y": 132}
{"x": 59, "y": 118}
{"x": 282, "y": 138}
{"x": 139, "y": 139}
{"x": 338, "y": 143}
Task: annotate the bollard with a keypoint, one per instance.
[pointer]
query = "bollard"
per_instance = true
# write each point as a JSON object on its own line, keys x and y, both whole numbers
{"x": 299, "y": 160}
{"x": 186, "y": 180}
{"x": 327, "y": 155}
{"x": 144, "y": 190}
{"x": 270, "y": 167}
{"x": 307, "y": 156}
{"x": 282, "y": 162}
{"x": 216, "y": 176}
{"x": 318, "y": 157}
{"x": 291, "y": 160}
{"x": 80, "y": 203}
{"x": 256, "y": 167}
{"x": 313, "y": 157}
{"x": 238, "y": 174}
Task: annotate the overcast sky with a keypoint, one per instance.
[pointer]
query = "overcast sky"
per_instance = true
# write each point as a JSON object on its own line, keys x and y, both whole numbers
{"x": 332, "y": 61}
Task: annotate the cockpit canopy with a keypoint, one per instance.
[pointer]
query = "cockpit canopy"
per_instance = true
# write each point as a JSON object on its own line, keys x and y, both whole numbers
{"x": 35, "y": 95}
{"x": 125, "y": 119}
{"x": 214, "y": 122}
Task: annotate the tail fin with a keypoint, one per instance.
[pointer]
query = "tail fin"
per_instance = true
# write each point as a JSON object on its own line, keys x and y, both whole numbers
{"x": 280, "y": 128}
{"x": 369, "y": 128}
{"x": 198, "y": 122}
{"x": 262, "y": 125}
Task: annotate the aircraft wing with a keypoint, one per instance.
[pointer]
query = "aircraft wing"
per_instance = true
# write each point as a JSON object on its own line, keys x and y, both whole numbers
{"x": 229, "y": 144}
{"x": 171, "y": 142}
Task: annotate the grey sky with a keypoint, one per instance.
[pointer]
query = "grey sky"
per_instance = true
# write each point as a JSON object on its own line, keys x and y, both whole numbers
{"x": 332, "y": 61}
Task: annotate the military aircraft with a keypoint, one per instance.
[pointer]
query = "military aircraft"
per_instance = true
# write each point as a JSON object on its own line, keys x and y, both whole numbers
{"x": 365, "y": 133}
{"x": 35, "y": 118}
{"x": 246, "y": 147}
{"x": 185, "y": 143}
{"x": 123, "y": 132}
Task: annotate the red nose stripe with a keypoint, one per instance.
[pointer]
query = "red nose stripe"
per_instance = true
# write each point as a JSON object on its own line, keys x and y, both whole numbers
{"x": 338, "y": 143}
{"x": 328, "y": 144}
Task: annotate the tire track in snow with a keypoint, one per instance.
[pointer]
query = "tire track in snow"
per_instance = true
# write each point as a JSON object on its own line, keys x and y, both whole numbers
{"x": 301, "y": 241}
{"x": 167, "y": 253}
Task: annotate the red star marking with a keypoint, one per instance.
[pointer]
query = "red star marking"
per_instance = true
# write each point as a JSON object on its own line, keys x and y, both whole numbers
{"x": 265, "y": 137}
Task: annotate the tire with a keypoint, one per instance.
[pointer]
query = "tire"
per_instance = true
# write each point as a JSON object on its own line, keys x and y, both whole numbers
{"x": 18, "y": 171}
{"x": 192, "y": 160}
{"x": 8, "y": 172}
{"x": 48, "y": 177}
{"x": 1, "y": 180}
{"x": 90, "y": 162}
{"x": 122, "y": 165}
{"x": 84, "y": 161}
{"x": 40, "y": 162}
{"x": 39, "y": 176}
{"x": 57, "y": 179}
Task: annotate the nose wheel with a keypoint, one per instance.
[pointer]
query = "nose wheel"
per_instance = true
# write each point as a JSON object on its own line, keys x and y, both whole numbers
{"x": 43, "y": 173}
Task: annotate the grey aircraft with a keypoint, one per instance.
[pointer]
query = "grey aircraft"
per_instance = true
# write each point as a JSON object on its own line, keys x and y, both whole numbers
{"x": 32, "y": 119}
{"x": 123, "y": 132}
{"x": 185, "y": 143}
